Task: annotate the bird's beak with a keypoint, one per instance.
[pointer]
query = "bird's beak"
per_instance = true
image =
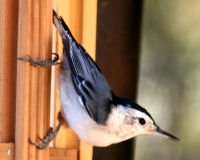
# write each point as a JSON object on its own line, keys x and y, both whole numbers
{"x": 164, "y": 133}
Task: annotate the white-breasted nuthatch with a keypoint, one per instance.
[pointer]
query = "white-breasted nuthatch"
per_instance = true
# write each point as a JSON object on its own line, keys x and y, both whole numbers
{"x": 94, "y": 112}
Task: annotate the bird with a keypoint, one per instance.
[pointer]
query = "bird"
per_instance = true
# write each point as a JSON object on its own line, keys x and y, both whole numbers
{"x": 96, "y": 114}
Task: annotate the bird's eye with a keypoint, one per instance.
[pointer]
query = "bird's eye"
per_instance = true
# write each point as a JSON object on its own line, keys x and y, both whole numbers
{"x": 142, "y": 121}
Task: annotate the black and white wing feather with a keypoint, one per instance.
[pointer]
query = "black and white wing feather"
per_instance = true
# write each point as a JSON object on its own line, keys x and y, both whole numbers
{"x": 90, "y": 84}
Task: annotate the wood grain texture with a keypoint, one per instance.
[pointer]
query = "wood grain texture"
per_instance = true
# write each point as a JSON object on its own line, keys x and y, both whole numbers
{"x": 89, "y": 26}
{"x": 44, "y": 77}
{"x": 33, "y": 84}
{"x": 61, "y": 154}
{"x": 8, "y": 54}
{"x": 34, "y": 81}
{"x": 23, "y": 81}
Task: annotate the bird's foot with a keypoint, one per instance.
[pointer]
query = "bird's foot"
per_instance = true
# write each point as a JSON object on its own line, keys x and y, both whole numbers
{"x": 40, "y": 62}
{"x": 45, "y": 141}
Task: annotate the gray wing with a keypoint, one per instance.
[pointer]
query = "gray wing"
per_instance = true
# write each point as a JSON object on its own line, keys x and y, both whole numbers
{"x": 90, "y": 84}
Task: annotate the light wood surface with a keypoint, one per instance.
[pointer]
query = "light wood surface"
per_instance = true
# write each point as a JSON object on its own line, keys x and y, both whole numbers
{"x": 23, "y": 81}
{"x": 33, "y": 84}
{"x": 62, "y": 154}
{"x": 45, "y": 39}
{"x": 8, "y": 54}
{"x": 7, "y": 151}
{"x": 34, "y": 81}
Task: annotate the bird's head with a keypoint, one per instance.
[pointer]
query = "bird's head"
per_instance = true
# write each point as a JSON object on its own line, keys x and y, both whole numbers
{"x": 138, "y": 120}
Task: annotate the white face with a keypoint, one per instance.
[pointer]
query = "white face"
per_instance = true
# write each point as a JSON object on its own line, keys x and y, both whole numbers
{"x": 145, "y": 125}
{"x": 127, "y": 122}
{"x": 139, "y": 122}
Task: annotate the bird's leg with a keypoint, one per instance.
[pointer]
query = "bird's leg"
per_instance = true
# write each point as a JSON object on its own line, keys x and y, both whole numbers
{"x": 62, "y": 120}
{"x": 40, "y": 62}
{"x": 45, "y": 141}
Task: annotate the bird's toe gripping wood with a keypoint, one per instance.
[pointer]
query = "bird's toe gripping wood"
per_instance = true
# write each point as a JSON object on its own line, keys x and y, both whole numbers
{"x": 40, "y": 62}
{"x": 47, "y": 139}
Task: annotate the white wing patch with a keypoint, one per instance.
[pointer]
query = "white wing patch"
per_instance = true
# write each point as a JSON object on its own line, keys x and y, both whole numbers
{"x": 81, "y": 101}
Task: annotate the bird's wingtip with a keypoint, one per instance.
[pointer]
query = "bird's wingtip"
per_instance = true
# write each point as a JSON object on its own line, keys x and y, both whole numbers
{"x": 57, "y": 22}
{"x": 55, "y": 13}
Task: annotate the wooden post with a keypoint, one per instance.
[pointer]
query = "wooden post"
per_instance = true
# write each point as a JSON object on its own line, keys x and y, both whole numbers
{"x": 33, "y": 84}
{"x": 23, "y": 81}
{"x": 118, "y": 37}
{"x": 44, "y": 79}
{"x": 8, "y": 54}
{"x": 35, "y": 51}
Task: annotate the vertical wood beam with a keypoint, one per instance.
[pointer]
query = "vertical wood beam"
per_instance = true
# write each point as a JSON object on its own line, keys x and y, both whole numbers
{"x": 118, "y": 37}
{"x": 89, "y": 26}
{"x": 8, "y": 54}
{"x": 34, "y": 80}
{"x": 33, "y": 84}
{"x": 23, "y": 81}
{"x": 44, "y": 76}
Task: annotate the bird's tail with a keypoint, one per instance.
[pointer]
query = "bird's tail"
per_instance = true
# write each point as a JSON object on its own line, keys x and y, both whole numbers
{"x": 61, "y": 26}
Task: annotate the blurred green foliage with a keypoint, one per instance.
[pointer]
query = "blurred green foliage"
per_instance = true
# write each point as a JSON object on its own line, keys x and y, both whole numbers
{"x": 169, "y": 84}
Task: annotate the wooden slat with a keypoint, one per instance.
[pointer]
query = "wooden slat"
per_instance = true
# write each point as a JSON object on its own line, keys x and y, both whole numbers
{"x": 34, "y": 81}
{"x": 8, "y": 47}
{"x": 23, "y": 81}
{"x": 44, "y": 78}
{"x": 33, "y": 84}
{"x": 89, "y": 26}
{"x": 7, "y": 152}
{"x": 61, "y": 154}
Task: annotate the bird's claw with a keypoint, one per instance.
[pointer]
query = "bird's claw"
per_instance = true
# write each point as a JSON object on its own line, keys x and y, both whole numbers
{"x": 45, "y": 141}
{"x": 40, "y": 62}
{"x": 40, "y": 146}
